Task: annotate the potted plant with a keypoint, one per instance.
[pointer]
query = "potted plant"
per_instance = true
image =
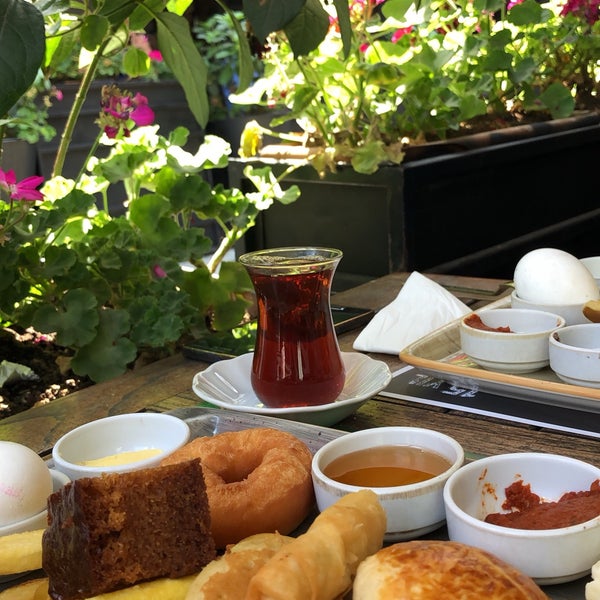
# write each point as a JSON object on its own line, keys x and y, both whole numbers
{"x": 395, "y": 113}
{"x": 114, "y": 288}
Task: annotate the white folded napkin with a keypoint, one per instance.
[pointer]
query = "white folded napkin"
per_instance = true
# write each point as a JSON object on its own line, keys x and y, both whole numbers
{"x": 420, "y": 307}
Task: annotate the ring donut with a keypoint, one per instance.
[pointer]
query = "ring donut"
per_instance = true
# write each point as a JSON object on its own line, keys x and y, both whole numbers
{"x": 257, "y": 481}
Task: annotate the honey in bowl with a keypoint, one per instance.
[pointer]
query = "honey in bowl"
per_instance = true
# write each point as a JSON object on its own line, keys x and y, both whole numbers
{"x": 387, "y": 466}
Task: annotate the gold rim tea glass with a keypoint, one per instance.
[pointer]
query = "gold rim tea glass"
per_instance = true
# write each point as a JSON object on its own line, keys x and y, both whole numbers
{"x": 297, "y": 359}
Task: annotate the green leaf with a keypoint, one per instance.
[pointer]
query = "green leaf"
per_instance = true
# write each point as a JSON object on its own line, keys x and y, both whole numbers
{"x": 22, "y": 47}
{"x": 528, "y": 12}
{"x": 308, "y": 29}
{"x": 74, "y": 321}
{"x": 267, "y": 17}
{"x": 182, "y": 57}
{"x": 559, "y": 100}
{"x": 343, "y": 15}
{"x": 136, "y": 62}
{"x": 93, "y": 30}
{"x": 109, "y": 354}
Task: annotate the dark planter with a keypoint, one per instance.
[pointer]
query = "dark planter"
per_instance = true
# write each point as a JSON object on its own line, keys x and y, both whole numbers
{"x": 20, "y": 157}
{"x": 472, "y": 206}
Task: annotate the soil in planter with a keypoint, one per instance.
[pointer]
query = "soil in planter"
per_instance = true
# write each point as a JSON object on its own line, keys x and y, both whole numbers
{"x": 44, "y": 358}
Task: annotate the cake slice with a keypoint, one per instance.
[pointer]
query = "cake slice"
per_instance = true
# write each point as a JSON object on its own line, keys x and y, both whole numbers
{"x": 109, "y": 532}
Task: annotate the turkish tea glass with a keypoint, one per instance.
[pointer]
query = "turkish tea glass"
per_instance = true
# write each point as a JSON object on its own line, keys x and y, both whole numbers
{"x": 297, "y": 360}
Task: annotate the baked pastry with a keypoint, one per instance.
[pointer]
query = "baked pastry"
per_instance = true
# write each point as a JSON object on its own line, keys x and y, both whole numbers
{"x": 227, "y": 577}
{"x": 430, "y": 570}
{"x": 258, "y": 481}
{"x": 109, "y": 532}
{"x": 321, "y": 563}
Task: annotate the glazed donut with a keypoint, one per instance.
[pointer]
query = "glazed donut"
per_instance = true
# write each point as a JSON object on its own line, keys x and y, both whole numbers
{"x": 257, "y": 481}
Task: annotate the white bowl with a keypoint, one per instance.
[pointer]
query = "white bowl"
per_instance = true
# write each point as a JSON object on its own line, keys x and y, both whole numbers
{"x": 39, "y": 520}
{"x": 522, "y": 350}
{"x": 571, "y": 313}
{"x": 549, "y": 556}
{"x": 575, "y": 354}
{"x": 592, "y": 263}
{"x": 115, "y": 435}
{"x": 411, "y": 510}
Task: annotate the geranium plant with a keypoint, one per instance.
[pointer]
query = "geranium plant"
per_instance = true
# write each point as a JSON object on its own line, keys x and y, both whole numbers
{"x": 113, "y": 288}
{"x": 423, "y": 71}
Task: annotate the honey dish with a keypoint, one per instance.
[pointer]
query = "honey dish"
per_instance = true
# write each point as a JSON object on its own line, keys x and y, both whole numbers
{"x": 119, "y": 443}
{"x": 557, "y": 551}
{"x": 406, "y": 467}
{"x": 575, "y": 354}
{"x": 509, "y": 340}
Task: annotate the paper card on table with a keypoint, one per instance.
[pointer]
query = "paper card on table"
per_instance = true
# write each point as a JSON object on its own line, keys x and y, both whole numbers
{"x": 420, "y": 307}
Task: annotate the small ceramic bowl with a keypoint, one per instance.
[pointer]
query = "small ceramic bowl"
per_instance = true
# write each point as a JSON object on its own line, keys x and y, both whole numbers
{"x": 575, "y": 354}
{"x": 592, "y": 263}
{"x": 39, "y": 520}
{"x": 571, "y": 313}
{"x": 522, "y": 350}
{"x": 139, "y": 440}
{"x": 549, "y": 556}
{"x": 412, "y": 509}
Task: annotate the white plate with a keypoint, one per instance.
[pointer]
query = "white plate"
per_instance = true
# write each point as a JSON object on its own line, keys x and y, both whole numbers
{"x": 227, "y": 384}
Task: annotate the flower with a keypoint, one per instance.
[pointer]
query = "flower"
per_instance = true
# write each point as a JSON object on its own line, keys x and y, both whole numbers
{"x": 22, "y": 190}
{"x": 408, "y": 73}
{"x": 120, "y": 109}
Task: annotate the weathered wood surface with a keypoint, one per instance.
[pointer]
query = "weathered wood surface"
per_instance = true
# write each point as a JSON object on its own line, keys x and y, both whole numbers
{"x": 167, "y": 384}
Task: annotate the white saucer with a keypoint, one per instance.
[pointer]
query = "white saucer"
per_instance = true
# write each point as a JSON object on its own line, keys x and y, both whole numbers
{"x": 227, "y": 384}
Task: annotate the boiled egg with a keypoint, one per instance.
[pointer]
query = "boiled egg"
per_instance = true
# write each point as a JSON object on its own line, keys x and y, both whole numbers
{"x": 25, "y": 483}
{"x": 553, "y": 276}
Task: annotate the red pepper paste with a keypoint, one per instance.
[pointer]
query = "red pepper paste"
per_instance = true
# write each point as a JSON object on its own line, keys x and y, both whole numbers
{"x": 530, "y": 512}
{"x": 475, "y": 322}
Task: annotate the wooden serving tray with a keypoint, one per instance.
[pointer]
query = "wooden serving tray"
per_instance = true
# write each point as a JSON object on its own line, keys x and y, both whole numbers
{"x": 439, "y": 354}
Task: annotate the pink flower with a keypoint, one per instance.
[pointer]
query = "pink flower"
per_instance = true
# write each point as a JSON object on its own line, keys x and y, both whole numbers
{"x": 119, "y": 108}
{"x": 22, "y": 190}
{"x": 400, "y": 33}
{"x": 141, "y": 114}
{"x": 156, "y": 55}
{"x": 159, "y": 271}
{"x": 589, "y": 9}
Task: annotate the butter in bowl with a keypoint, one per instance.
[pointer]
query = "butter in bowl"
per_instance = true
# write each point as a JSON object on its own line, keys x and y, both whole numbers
{"x": 119, "y": 444}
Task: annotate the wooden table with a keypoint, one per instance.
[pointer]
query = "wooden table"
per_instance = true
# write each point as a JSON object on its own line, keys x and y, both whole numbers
{"x": 166, "y": 385}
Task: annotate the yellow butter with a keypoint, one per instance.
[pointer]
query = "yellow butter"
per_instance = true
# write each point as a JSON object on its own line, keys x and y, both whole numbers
{"x": 122, "y": 458}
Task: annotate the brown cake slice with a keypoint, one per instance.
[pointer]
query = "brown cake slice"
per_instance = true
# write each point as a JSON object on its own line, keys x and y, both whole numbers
{"x": 106, "y": 533}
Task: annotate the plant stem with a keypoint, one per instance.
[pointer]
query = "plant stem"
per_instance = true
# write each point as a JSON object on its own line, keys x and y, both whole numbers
{"x": 73, "y": 117}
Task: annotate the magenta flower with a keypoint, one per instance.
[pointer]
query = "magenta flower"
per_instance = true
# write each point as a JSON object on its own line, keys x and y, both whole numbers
{"x": 156, "y": 55}
{"x": 159, "y": 271}
{"x": 589, "y": 9}
{"x": 120, "y": 108}
{"x": 22, "y": 190}
{"x": 141, "y": 114}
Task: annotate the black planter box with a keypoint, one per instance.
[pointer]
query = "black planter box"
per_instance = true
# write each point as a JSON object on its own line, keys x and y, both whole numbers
{"x": 472, "y": 206}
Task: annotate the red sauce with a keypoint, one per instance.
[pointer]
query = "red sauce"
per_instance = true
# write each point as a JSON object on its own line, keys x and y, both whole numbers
{"x": 475, "y": 322}
{"x": 530, "y": 512}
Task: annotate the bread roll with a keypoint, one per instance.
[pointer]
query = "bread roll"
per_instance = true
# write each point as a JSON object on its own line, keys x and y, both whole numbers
{"x": 321, "y": 564}
{"x": 430, "y": 570}
{"x": 592, "y": 588}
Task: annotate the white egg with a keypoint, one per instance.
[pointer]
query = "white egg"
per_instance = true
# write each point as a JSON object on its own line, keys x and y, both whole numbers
{"x": 25, "y": 483}
{"x": 552, "y": 276}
